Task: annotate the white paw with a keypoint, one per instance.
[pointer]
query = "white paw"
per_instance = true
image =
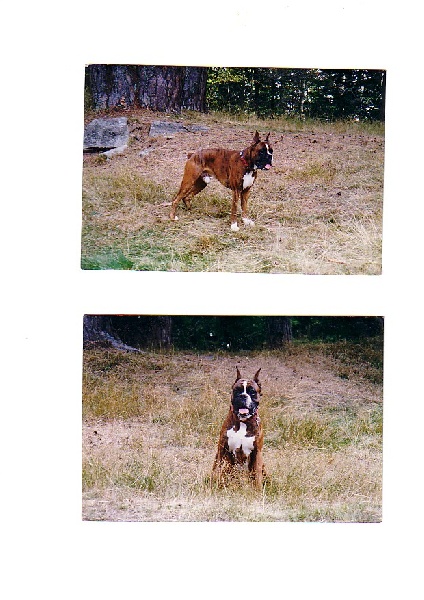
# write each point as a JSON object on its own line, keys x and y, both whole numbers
{"x": 234, "y": 227}
{"x": 174, "y": 218}
{"x": 248, "y": 222}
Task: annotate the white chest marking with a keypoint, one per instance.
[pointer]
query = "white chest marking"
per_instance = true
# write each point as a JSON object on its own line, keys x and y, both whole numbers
{"x": 248, "y": 180}
{"x": 238, "y": 439}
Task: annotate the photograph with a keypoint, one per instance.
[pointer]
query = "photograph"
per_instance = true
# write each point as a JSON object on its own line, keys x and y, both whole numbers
{"x": 233, "y": 169}
{"x": 232, "y": 418}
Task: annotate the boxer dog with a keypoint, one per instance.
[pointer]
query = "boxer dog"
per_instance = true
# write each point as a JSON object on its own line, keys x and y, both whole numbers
{"x": 235, "y": 170}
{"x": 241, "y": 437}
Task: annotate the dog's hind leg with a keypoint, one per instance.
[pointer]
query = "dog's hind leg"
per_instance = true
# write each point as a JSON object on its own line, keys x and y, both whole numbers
{"x": 197, "y": 187}
{"x": 186, "y": 193}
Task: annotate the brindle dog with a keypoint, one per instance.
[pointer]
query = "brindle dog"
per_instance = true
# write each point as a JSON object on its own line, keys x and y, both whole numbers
{"x": 235, "y": 170}
{"x": 241, "y": 438}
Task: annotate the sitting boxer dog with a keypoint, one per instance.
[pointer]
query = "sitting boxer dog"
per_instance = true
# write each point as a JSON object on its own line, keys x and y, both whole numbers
{"x": 235, "y": 170}
{"x": 241, "y": 437}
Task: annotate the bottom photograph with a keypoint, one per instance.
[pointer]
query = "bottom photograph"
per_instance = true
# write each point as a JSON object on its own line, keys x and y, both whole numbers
{"x": 232, "y": 418}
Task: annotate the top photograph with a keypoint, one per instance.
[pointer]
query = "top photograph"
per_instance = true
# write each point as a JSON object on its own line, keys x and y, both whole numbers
{"x": 233, "y": 169}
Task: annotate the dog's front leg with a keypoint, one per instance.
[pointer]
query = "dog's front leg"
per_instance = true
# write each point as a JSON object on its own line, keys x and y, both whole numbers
{"x": 244, "y": 214}
{"x": 257, "y": 469}
{"x": 234, "y": 226}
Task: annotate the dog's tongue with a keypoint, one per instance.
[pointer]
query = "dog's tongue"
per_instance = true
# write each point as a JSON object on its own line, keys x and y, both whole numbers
{"x": 244, "y": 411}
{"x": 267, "y": 166}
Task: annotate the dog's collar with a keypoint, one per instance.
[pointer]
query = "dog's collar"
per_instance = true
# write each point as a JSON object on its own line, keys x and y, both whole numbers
{"x": 243, "y": 159}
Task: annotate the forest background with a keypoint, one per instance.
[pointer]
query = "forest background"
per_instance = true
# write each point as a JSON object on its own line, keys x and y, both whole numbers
{"x": 327, "y": 94}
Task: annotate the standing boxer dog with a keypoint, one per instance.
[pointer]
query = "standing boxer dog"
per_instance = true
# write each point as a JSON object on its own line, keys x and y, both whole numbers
{"x": 235, "y": 170}
{"x": 241, "y": 437}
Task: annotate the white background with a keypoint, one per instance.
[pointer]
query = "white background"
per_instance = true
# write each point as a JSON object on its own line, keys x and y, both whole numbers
{"x": 50, "y": 552}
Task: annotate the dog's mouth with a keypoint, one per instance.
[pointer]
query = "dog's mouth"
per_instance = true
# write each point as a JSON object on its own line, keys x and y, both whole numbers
{"x": 266, "y": 166}
{"x": 244, "y": 413}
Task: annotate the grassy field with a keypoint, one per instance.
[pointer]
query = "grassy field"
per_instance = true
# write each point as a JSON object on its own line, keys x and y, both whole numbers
{"x": 151, "y": 423}
{"x": 317, "y": 211}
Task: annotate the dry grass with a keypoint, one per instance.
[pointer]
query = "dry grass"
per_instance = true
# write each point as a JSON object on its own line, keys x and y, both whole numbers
{"x": 151, "y": 424}
{"x": 318, "y": 211}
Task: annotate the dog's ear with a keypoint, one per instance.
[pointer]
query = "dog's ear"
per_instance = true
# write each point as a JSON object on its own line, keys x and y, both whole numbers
{"x": 267, "y": 137}
{"x": 238, "y": 374}
{"x": 256, "y": 138}
{"x": 256, "y": 377}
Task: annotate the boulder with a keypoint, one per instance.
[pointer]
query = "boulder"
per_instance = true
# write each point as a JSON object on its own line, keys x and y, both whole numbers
{"x": 106, "y": 134}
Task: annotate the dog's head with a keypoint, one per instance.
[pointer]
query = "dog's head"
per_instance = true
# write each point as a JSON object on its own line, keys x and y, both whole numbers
{"x": 261, "y": 152}
{"x": 245, "y": 396}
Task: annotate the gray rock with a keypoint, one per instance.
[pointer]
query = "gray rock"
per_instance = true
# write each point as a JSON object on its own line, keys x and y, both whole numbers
{"x": 158, "y": 128}
{"x": 164, "y": 128}
{"x": 113, "y": 151}
{"x": 104, "y": 134}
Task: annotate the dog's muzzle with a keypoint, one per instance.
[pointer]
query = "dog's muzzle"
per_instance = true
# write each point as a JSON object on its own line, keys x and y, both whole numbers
{"x": 244, "y": 406}
{"x": 264, "y": 159}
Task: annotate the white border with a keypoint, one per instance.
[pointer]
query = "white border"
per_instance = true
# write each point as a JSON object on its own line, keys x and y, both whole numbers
{"x": 50, "y": 550}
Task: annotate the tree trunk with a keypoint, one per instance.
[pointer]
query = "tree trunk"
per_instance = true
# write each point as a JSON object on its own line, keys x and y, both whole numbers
{"x": 161, "y": 331}
{"x": 98, "y": 331}
{"x": 162, "y": 88}
{"x": 279, "y": 331}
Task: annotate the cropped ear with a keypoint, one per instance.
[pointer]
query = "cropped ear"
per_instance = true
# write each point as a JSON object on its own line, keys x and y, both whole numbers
{"x": 267, "y": 137}
{"x": 238, "y": 374}
{"x": 256, "y": 138}
{"x": 256, "y": 377}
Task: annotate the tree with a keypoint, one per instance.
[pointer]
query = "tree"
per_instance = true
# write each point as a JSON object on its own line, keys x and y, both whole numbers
{"x": 145, "y": 331}
{"x": 160, "y": 331}
{"x": 127, "y": 333}
{"x": 98, "y": 330}
{"x": 160, "y": 88}
{"x": 328, "y": 94}
{"x": 279, "y": 331}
